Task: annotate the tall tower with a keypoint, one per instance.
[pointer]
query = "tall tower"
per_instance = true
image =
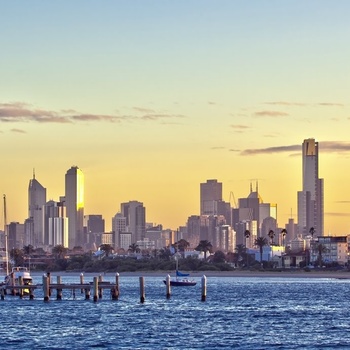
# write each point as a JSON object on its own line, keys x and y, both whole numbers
{"x": 135, "y": 214}
{"x": 210, "y": 196}
{"x": 74, "y": 201}
{"x": 36, "y": 201}
{"x": 310, "y": 199}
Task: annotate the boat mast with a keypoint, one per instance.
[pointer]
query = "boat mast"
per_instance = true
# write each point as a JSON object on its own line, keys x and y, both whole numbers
{"x": 5, "y": 231}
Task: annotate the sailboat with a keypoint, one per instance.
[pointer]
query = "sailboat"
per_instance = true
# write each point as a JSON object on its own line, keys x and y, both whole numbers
{"x": 18, "y": 274}
{"x": 181, "y": 279}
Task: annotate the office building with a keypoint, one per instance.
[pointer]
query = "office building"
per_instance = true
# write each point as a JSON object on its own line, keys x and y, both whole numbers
{"x": 310, "y": 199}
{"x": 135, "y": 214}
{"x": 74, "y": 202}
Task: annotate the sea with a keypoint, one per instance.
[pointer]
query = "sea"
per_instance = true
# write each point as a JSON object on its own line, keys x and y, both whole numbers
{"x": 238, "y": 313}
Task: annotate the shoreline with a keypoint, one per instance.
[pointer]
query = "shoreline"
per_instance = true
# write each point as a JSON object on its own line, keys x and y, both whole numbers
{"x": 256, "y": 274}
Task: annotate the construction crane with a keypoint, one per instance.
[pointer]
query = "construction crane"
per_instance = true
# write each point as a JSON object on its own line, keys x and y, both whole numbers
{"x": 232, "y": 197}
{"x": 5, "y": 231}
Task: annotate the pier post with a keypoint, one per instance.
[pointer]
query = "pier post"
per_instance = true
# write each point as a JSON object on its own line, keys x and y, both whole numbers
{"x": 13, "y": 282}
{"x": 3, "y": 293}
{"x": 87, "y": 293}
{"x": 49, "y": 281}
{"x": 142, "y": 290}
{"x": 59, "y": 290}
{"x": 168, "y": 288}
{"x": 100, "y": 279}
{"x": 20, "y": 284}
{"x": 115, "y": 290}
{"x": 82, "y": 281}
{"x": 95, "y": 288}
{"x": 204, "y": 288}
{"x": 31, "y": 293}
{"x": 46, "y": 288}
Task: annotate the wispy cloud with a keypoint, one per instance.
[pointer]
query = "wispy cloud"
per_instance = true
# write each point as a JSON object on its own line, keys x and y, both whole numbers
{"x": 330, "y": 104}
{"x": 270, "y": 150}
{"x": 325, "y": 147}
{"x": 337, "y": 214}
{"x": 285, "y": 103}
{"x": 343, "y": 202}
{"x": 20, "y": 131}
{"x": 240, "y": 127}
{"x": 273, "y": 114}
{"x": 22, "y": 112}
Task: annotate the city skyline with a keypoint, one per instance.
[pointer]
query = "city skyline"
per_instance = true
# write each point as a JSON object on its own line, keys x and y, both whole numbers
{"x": 150, "y": 100}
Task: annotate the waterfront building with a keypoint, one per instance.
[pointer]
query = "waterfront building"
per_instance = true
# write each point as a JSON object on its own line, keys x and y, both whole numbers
{"x": 118, "y": 226}
{"x": 34, "y": 224}
{"x": 15, "y": 235}
{"x": 74, "y": 201}
{"x": 55, "y": 223}
{"x": 135, "y": 214}
{"x": 310, "y": 199}
{"x": 93, "y": 225}
{"x": 336, "y": 249}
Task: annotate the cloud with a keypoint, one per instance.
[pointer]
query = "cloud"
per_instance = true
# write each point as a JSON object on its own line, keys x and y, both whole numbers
{"x": 143, "y": 110}
{"x": 211, "y": 103}
{"x": 270, "y": 150}
{"x": 325, "y": 147}
{"x": 343, "y": 202}
{"x": 218, "y": 147}
{"x": 22, "y": 112}
{"x": 285, "y": 103}
{"x": 240, "y": 127}
{"x": 337, "y": 214}
{"x": 271, "y": 114}
{"x": 330, "y": 104}
{"x": 19, "y": 131}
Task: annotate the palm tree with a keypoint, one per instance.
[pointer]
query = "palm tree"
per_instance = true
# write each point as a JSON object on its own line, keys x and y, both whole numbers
{"x": 204, "y": 246}
{"x": 182, "y": 244}
{"x": 107, "y": 248}
{"x": 261, "y": 242}
{"x": 59, "y": 251}
{"x": 283, "y": 233}
{"x": 321, "y": 248}
{"x": 28, "y": 249}
{"x": 134, "y": 248}
{"x": 312, "y": 232}
{"x": 271, "y": 234}
{"x": 241, "y": 251}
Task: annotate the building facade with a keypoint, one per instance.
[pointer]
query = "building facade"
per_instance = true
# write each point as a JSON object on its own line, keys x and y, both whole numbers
{"x": 74, "y": 201}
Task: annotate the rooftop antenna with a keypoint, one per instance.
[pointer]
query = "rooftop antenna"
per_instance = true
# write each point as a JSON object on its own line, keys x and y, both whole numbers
{"x": 257, "y": 186}
{"x": 33, "y": 173}
{"x": 251, "y": 187}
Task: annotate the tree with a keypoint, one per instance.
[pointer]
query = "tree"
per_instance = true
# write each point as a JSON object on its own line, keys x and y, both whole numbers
{"x": 28, "y": 249}
{"x": 219, "y": 257}
{"x": 271, "y": 234}
{"x": 17, "y": 256}
{"x": 241, "y": 251}
{"x": 107, "y": 248}
{"x": 134, "y": 248}
{"x": 182, "y": 244}
{"x": 261, "y": 242}
{"x": 283, "y": 233}
{"x": 59, "y": 250}
{"x": 204, "y": 246}
{"x": 321, "y": 249}
{"x": 312, "y": 232}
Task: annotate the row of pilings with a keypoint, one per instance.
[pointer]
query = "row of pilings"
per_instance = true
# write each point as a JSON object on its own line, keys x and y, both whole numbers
{"x": 97, "y": 287}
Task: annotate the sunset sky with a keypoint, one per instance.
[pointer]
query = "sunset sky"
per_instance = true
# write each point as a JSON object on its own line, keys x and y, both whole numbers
{"x": 149, "y": 98}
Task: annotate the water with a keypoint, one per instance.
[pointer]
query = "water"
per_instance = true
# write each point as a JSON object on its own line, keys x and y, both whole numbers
{"x": 239, "y": 313}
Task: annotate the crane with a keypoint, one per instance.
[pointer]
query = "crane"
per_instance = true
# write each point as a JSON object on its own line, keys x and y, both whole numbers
{"x": 232, "y": 196}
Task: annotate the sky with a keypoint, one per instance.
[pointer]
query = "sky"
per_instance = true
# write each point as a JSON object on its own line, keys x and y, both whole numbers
{"x": 150, "y": 98}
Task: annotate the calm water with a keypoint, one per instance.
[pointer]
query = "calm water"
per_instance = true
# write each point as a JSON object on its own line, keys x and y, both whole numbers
{"x": 240, "y": 313}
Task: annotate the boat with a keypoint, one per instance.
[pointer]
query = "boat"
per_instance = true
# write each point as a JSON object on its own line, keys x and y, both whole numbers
{"x": 18, "y": 276}
{"x": 181, "y": 279}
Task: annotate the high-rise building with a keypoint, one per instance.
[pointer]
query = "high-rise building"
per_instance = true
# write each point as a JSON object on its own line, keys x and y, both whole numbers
{"x": 310, "y": 199}
{"x": 210, "y": 196}
{"x": 135, "y": 214}
{"x": 36, "y": 201}
{"x": 94, "y": 226}
{"x": 74, "y": 201}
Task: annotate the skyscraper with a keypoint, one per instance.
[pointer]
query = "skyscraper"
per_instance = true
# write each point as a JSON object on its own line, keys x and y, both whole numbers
{"x": 74, "y": 201}
{"x": 135, "y": 214}
{"x": 210, "y": 196}
{"x": 310, "y": 199}
{"x": 36, "y": 201}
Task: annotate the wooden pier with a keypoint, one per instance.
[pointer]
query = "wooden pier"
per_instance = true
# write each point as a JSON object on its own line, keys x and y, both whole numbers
{"x": 97, "y": 287}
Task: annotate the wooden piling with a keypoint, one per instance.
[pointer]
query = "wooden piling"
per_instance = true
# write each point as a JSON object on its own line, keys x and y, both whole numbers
{"x": 3, "y": 293}
{"x": 168, "y": 288}
{"x": 46, "y": 288}
{"x": 49, "y": 281}
{"x": 142, "y": 289}
{"x": 115, "y": 289}
{"x": 59, "y": 290}
{"x": 87, "y": 293}
{"x": 82, "y": 282}
{"x": 100, "y": 279}
{"x": 204, "y": 288}
{"x": 20, "y": 283}
{"x": 31, "y": 293}
{"x": 95, "y": 289}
